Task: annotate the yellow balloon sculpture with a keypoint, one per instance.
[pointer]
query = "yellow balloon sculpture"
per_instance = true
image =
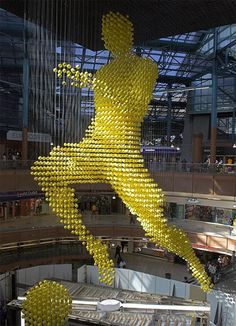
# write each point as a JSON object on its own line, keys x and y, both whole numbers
{"x": 110, "y": 151}
{"x": 47, "y": 303}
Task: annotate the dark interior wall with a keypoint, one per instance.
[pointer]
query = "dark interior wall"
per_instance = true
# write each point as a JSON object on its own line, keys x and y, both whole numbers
{"x": 194, "y": 124}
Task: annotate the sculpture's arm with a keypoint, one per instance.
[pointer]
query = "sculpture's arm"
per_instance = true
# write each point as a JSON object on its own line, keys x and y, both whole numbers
{"x": 138, "y": 93}
{"x": 74, "y": 76}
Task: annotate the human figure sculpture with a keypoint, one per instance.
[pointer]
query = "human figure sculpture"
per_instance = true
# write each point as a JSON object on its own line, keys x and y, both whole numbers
{"x": 110, "y": 151}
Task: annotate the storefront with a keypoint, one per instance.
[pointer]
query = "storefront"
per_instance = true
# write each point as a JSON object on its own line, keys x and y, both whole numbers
{"x": 31, "y": 203}
{"x": 174, "y": 210}
{"x": 103, "y": 204}
{"x": 25, "y": 203}
{"x": 200, "y": 209}
{"x": 210, "y": 214}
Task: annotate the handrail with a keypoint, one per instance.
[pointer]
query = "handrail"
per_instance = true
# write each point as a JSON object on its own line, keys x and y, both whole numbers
{"x": 33, "y": 243}
{"x": 16, "y": 164}
{"x": 152, "y": 165}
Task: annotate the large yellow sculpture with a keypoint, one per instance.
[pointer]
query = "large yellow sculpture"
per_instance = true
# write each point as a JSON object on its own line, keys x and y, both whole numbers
{"x": 110, "y": 151}
{"x": 47, "y": 303}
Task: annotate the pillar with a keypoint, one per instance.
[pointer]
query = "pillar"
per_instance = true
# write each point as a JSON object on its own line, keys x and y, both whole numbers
{"x": 168, "y": 117}
{"x": 233, "y": 115}
{"x": 13, "y": 209}
{"x": 24, "y": 208}
{"x": 25, "y": 112}
{"x": 197, "y": 147}
{"x": 214, "y": 102}
{"x": 130, "y": 247}
{"x": 24, "y": 146}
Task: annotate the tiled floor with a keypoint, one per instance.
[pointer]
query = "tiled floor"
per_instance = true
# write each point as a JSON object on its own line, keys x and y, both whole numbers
{"x": 155, "y": 266}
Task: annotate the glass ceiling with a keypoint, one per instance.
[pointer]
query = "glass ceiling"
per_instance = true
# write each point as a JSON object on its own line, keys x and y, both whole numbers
{"x": 181, "y": 59}
{"x": 176, "y": 68}
{"x": 191, "y": 38}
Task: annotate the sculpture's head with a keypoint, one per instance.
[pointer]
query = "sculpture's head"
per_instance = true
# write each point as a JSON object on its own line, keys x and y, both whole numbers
{"x": 117, "y": 33}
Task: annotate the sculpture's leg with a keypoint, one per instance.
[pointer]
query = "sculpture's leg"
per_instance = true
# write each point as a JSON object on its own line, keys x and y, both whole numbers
{"x": 140, "y": 194}
{"x": 55, "y": 174}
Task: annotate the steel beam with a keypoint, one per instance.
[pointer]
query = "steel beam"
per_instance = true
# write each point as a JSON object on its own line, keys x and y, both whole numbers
{"x": 214, "y": 101}
{"x": 168, "y": 117}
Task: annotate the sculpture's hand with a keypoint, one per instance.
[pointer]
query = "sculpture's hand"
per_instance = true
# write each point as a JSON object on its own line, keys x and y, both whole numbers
{"x": 75, "y": 77}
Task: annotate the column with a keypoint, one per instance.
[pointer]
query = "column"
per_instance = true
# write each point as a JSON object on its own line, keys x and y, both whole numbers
{"x": 214, "y": 102}
{"x": 130, "y": 247}
{"x": 25, "y": 112}
{"x": 168, "y": 117}
{"x": 197, "y": 147}
{"x": 233, "y": 116}
{"x": 13, "y": 209}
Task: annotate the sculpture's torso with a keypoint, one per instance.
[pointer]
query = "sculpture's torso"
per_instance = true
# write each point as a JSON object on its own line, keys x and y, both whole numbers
{"x": 129, "y": 81}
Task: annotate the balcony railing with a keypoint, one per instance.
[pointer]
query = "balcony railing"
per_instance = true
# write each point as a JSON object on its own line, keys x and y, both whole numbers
{"x": 151, "y": 165}
{"x": 15, "y": 164}
{"x": 191, "y": 168}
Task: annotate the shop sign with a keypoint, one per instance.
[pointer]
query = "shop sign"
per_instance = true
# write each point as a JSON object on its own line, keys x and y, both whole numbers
{"x": 21, "y": 194}
{"x": 200, "y": 246}
{"x": 32, "y": 136}
{"x": 159, "y": 149}
{"x": 208, "y": 248}
{"x": 10, "y": 196}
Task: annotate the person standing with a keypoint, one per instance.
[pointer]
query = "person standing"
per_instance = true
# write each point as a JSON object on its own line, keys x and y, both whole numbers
{"x": 184, "y": 164}
{"x": 122, "y": 263}
{"x": 123, "y": 243}
{"x": 94, "y": 209}
{"x": 132, "y": 219}
{"x": 233, "y": 259}
{"x": 118, "y": 249}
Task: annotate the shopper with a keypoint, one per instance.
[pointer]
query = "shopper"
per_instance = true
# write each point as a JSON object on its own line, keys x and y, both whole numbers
{"x": 233, "y": 258}
{"x": 94, "y": 209}
{"x": 132, "y": 218}
{"x": 123, "y": 243}
{"x": 118, "y": 260}
{"x": 184, "y": 164}
{"x": 118, "y": 249}
{"x": 122, "y": 264}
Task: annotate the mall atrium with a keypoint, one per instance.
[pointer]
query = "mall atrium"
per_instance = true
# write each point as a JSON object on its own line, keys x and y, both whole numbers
{"x": 118, "y": 162}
